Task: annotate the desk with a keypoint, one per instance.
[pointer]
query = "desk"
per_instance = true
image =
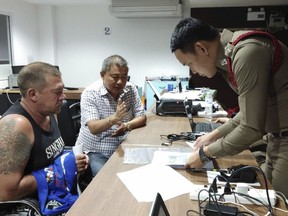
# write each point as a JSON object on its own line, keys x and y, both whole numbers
{"x": 70, "y": 94}
{"x": 106, "y": 195}
{"x": 73, "y": 94}
{"x": 9, "y": 96}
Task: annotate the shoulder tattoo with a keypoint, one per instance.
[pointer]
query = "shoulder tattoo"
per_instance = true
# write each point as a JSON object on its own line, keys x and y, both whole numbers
{"x": 15, "y": 148}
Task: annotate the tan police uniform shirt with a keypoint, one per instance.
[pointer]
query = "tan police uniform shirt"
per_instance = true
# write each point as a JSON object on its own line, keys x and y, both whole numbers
{"x": 263, "y": 98}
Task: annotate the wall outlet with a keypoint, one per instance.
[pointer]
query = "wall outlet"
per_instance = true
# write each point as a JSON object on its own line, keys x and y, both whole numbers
{"x": 277, "y": 21}
{"x": 256, "y": 16}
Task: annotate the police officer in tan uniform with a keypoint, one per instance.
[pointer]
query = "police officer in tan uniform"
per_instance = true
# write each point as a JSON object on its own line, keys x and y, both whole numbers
{"x": 257, "y": 69}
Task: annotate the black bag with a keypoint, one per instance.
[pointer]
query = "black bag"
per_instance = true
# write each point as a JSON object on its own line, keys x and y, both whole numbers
{"x": 24, "y": 207}
{"x": 239, "y": 173}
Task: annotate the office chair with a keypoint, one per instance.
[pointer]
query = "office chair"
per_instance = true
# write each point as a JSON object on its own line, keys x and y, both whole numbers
{"x": 69, "y": 125}
{"x": 68, "y": 122}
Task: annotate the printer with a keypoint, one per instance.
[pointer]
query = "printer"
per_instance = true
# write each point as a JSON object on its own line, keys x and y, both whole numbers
{"x": 170, "y": 107}
{"x": 176, "y": 107}
{"x": 171, "y": 103}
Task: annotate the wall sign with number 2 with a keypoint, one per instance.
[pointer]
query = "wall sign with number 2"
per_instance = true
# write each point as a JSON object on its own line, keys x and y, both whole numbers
{"x": 107, "y": 31}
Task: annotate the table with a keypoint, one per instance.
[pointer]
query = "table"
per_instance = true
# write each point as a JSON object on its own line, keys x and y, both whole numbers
{"x": 9, "y": 96}
{"x": 70, "y": 94}
{"x": 106, "y": 195}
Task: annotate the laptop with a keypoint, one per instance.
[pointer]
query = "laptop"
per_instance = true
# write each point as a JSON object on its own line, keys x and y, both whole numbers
{"x": 158, "y": 207}
{"x": 198, "y": 127}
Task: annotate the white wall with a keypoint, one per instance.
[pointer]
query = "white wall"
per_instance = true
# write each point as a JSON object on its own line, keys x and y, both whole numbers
{"x": 82, "y": 44}
{"x": 24, "y": 35}
{"x": 24, "y": 30}
{"x": 47, "y": 34}
{"x": 73, "y": 38}
{"x": 78, "y": 45}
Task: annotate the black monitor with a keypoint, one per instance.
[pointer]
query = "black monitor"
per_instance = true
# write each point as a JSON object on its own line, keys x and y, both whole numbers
{"x": 158, "y": 207}
{"x": 16, "y": 68}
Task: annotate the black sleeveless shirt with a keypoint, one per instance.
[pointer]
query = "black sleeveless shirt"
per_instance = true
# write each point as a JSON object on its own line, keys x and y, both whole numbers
{"x": 47, "y": 145}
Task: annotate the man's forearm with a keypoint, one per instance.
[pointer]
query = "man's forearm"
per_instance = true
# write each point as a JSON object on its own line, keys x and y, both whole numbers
{"x": 98, "y": 126}
{"x": 138, "y": 122}
{"x": 27, "y": 186}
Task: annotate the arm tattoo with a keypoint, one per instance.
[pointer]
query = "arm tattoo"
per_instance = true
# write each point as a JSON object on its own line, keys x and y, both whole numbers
{"x": 15, "y": 149}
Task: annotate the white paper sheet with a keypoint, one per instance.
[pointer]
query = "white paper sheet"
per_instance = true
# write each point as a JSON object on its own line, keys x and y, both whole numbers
{"x": 144, "y": 182}
{"x": 170, "y": 158}
{"x": 145, "y": 155}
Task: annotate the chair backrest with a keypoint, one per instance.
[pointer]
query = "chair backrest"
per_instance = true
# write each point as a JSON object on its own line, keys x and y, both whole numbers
{"x": 66, "y": 123}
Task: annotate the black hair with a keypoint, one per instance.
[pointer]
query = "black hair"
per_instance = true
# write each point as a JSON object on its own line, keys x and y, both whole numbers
{"x": 190, "y": 30}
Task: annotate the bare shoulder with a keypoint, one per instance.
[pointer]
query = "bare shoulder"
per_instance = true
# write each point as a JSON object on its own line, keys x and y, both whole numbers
{"x": 16, "y": 138}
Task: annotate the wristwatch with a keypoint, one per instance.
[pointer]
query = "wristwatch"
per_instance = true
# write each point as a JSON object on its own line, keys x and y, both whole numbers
{"x": 128, "y": 126}
{"x": 203, "y": 157}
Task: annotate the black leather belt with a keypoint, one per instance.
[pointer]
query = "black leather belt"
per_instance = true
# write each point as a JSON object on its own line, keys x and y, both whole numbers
{"x": 280, "y": 134}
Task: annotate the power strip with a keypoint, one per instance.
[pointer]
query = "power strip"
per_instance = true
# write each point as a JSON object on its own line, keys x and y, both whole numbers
{"x": 259, "y": 194}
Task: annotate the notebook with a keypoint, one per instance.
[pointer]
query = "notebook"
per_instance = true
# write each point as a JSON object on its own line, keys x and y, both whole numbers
{"x": 158, "y": 207}
{"x": 198, "y": 127}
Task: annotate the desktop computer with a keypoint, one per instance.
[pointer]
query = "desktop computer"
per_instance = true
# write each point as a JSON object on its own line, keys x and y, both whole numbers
{"x": 12, "y": 81}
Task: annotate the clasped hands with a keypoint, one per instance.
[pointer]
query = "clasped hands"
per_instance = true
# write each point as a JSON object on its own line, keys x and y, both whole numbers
{"x": 120, "y": 113}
